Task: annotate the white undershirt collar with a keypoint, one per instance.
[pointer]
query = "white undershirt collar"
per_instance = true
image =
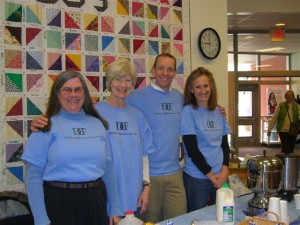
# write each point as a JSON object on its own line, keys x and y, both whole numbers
{"x": 156, "y": 87}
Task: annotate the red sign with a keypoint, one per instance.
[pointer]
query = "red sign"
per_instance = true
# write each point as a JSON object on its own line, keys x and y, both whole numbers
{"x": 277, "y": 35}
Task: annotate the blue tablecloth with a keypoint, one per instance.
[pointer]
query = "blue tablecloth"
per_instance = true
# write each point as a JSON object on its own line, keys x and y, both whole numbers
{"x": 209, "y": 213}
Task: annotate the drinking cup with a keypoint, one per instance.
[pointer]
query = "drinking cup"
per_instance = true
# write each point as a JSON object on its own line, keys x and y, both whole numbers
{"x": 297, "y": 201}
{"x": 283, "y": 209}
{"x": 274, "y": 206}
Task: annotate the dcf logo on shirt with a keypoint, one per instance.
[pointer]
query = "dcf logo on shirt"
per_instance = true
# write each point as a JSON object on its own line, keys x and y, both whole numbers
{"x": 122, "y": 125}
{"x": 210, "y": 124}
{"x": 79, "y": 131}
{"x": 166, "y": 106}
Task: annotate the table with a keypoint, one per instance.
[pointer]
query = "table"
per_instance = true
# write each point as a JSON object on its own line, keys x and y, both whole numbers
{"x": 208, "y": 213}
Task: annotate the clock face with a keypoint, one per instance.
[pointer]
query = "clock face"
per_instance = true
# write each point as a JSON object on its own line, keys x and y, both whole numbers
{"x": 209, "y": 43}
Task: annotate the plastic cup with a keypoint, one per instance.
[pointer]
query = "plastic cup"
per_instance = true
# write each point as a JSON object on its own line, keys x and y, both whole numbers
{"x": 283, "y": 209}
{"x": 285, "y": 220}
{"x": 297, "y": 201}
{"x": 274, "y": 206}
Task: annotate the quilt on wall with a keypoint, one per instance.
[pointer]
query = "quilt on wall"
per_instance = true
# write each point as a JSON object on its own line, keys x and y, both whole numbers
{"x": 41, "y": 38}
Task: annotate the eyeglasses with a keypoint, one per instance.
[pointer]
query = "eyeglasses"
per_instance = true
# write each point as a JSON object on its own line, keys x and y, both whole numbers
{"x": 163, "y": 69}
{"x": 122, "y": 80}
{"x": 68, "y": 90}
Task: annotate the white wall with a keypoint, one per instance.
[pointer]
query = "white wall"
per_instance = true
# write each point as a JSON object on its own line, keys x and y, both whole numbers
{"x": 211, "y": 13}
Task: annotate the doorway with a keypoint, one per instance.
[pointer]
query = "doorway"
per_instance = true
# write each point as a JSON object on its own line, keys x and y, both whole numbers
{"x": 248, "y": 115}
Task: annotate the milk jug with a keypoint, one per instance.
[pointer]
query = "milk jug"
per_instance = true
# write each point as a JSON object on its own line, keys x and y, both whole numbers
{"x": 225, "y": 205}
{"x": 130, "y": 219}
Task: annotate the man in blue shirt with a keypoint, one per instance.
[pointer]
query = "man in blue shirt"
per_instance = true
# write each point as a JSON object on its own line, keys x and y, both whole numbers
{"x": 162, "y": 107}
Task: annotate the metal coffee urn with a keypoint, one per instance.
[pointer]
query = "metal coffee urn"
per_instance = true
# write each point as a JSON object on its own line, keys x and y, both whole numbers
{"x": 263, "y": 177}
{"x": 290, "y": 177}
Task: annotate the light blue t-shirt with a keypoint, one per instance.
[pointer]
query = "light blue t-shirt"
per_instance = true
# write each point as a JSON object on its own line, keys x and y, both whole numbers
{"x": 209, "y": 127}
{"x": 130, "y": 138}
{"x": 74, "y": 150}
{"x": 162, "y": 111}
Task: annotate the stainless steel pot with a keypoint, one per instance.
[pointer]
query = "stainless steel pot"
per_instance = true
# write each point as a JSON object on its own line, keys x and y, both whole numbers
{"x": 291, "y": 171}
{"x": 264, "y": 173}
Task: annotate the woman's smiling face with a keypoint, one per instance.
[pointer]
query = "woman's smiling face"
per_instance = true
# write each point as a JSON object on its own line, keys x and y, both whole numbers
{"x": 71, "y": 95}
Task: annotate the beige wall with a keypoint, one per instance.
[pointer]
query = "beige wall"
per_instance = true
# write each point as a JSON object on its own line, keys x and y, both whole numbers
{"x": 211, "y": 13}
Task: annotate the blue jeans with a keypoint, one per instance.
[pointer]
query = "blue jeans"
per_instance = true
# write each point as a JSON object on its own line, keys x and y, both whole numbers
{"x": 198, "y": 191}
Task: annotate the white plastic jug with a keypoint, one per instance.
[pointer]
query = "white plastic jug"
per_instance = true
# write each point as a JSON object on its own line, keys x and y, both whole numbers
{"x": 130, "y": 219}
{"x": 225, "y": 205}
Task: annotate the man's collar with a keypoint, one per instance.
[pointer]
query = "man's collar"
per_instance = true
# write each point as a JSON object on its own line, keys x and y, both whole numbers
{"x": 156, "y": 87}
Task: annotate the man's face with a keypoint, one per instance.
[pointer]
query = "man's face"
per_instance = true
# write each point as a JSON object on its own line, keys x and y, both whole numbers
{"x": 164, "y": 72}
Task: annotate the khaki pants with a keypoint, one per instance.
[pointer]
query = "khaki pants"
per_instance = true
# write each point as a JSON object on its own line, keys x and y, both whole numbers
{"x": 167, "y": 198}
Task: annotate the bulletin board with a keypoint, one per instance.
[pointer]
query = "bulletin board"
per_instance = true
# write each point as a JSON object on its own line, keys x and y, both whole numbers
{"x": 41, "y": 38}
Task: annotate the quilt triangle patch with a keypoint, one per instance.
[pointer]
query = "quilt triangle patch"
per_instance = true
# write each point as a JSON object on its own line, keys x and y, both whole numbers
{"x": 93, "y": 23}
{"x": 164, "y": 33}
{"x": 17, "y": 172}
{"x": 138, "y": 28}
{"x": 31, "y": 33}
{"x": 125, "y": 29}
{"x": 152, "y": 12}
{"x": 106, "y": 60}
{"x": 124, "y": 45}
{"x": 34, "y": 80}
{"x": 180, "y": 68}
{"x": 15, "y": 34}
{"x": 70, "y": 22}
{"x": 139, "y": 64}
{"x": 94, "y": 81}
{"x": 52, "y": 77}
{"x": 17, "y": 126}
{"x": 178, "y": 36}
{"x": 140, "y": 82}
{"x": 73, "y": 41}
{"x": 73, "y": 62}
{"x": 92, "y": 63}
{"x": 32, "y": 109}
{"x": 177, "y": 16}
{"x": 53, "y": 17}
{"x": 13, "y": 82}
{"x": 153, "y": 48}
{"x": 123, "y": 7}
{"x": 137, "y": 45}
{"x": 13, "y": 59}
{"x": 178, "y": 49}
{"x": 177, "y": 3}
{"x": 32, "y": 63}
{"x": 16, "y": 109}
{"x": 106, "y": 41}
{"x": 13, "y": 12}
{"x": 164, "y": 13}
{"x": 32, "y": 12}
{"x": 138, "y": 9}
{"x": 154, "y": 31}
{"x": 54, "y": 61}
{"x": 14, "y": 152}
{"x": 51, "y": 80}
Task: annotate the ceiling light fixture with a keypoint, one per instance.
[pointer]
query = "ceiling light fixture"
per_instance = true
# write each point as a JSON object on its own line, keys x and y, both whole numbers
{"x": 276, "y": 49}
{"x": 279, "y": 24}
{"x": 260, "y": 66}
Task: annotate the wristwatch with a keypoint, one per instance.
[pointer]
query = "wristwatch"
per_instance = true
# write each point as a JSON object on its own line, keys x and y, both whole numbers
{"x": 146, "y": 184}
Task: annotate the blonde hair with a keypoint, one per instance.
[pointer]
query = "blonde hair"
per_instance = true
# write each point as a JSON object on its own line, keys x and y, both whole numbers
{"x": 120, "y": 68}
{"x": 290, "y": 92}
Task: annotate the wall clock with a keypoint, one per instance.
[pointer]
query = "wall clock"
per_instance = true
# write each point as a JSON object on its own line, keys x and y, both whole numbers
{"x": 209, "y": 43}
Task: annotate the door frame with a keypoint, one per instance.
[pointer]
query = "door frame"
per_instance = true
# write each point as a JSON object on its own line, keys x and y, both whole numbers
{"x": 254, "y": 120}
{"x": 233, "y": 78}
